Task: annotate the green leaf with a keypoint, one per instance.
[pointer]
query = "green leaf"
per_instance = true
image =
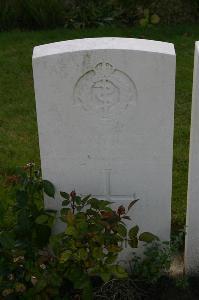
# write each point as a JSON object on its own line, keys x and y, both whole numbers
{"x": 78, "y": 200}
{"x": 107, "y": 208}
{"x": 132, "y": 204}
{"x": 65, "y": 202}
{"x": 105, "y": 275}
{"x": 119, "y": 272}
{"x": 85, "y": 199}
{"x": 70, "y": 230}
{"x": 42, "y": 219}
{"x": 51, "y": 217}
{"x": 64, "y": 211}
{"x": 94, "y": 203}
{"x": 82, "y": 254}
{"x": 103, "y": 203}
{"x": 133, "y": 242}
{"x": 133, "y": 232}
{"x": 82, "y": 226}
{"x": 55, "y": 242}
{"x": 65, "y": 256}
{"x": 114, "y": 248}
{"x": 97, "y": 253}
{"x": 65, "y": 195}
{"x": 148, "y": 237}
{"x": 92, "y": 212}
{"x": 121, "y": 229}
{"x": 80, "y": 216}
{"x": 111, "y": 258}
{"x": 49, "y": 188}
{"x": 126, "y": 217}
{"x": 51, "y": 212}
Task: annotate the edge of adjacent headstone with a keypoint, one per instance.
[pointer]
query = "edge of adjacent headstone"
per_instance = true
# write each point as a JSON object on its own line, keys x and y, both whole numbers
{"x": 190, "y": 267}
{"x": 114, "y": 43}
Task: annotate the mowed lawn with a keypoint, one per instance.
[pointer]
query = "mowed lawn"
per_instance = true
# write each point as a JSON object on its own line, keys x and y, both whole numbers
{"x": 18, "y": 127}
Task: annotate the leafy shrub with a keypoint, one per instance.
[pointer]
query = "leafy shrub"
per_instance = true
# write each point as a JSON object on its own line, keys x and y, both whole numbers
{"x": 34, "y": 264}
{"x": 176, "y": 11}
{"x": 157, "y": 259}
{"x": 155, "y": 264}
{"x": 145, "y": 12}
{"x": 33, "y": 14}
{"x": 9, "y": 11}
{"x": 41, "y": 13}
{"x": 93, "y": 238}
{"x": 84, "y": 13}
{"x": 21, "y": 244}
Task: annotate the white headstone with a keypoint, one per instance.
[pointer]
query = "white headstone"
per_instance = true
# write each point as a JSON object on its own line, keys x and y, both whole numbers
{"x": 192, "y": 236}
{"x": 105, "y": 109}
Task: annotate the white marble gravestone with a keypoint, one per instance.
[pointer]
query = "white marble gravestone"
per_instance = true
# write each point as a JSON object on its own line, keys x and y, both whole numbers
{"x": 105, "y": 111}
{"x": 192, "y": 236}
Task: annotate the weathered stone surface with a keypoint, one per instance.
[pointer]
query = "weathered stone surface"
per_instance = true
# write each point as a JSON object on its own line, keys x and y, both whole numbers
{"x": 105, "y": 115}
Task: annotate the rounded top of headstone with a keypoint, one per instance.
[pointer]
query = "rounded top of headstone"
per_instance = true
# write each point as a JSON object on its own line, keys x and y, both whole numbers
{"x": 108, "y": 43}
{"x": 197, "y": 45}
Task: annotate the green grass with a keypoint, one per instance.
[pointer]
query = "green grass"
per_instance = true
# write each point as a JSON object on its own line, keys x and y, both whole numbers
{"x": 18, "y": 127}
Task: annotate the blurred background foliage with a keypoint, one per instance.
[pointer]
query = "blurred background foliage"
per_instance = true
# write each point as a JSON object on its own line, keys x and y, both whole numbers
{"x": 44, "y": 14}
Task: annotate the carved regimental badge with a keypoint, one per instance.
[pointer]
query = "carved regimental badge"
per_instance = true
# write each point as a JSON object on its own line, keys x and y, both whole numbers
{"x": 105, "y": 88}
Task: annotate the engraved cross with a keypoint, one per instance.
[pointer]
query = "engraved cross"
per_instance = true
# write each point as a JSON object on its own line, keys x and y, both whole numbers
{"x": 111, "y": 197}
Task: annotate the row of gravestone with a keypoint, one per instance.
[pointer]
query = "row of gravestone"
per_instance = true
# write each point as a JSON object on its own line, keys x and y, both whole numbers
{"x": 105, "y": 110}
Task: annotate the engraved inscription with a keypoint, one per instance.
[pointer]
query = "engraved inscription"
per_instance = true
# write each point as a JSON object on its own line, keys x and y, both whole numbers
{"x": 105, "y": 88}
